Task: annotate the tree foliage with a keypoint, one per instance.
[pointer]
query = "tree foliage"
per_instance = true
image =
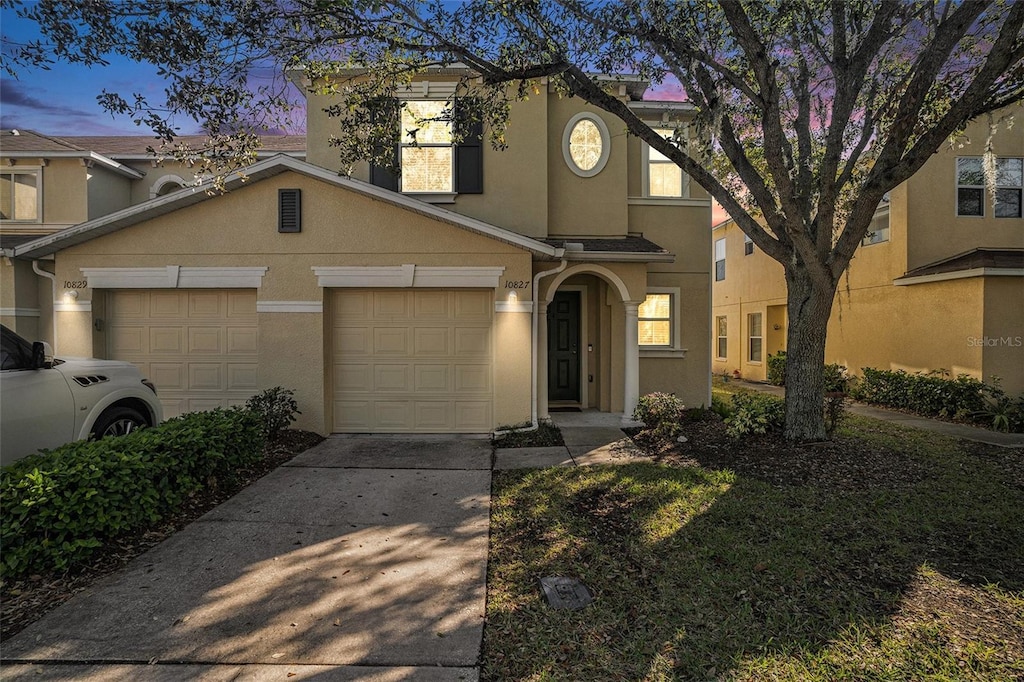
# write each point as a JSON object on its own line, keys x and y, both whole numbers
{"x": 814, "y": 109}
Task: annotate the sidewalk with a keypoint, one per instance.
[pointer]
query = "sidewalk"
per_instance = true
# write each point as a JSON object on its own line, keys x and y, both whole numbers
{"x": 972, "y": 433}
{"x": 591, "y": 437}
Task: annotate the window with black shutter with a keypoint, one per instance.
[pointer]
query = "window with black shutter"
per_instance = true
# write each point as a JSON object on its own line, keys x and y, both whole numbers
{"x": 289, "y": 210}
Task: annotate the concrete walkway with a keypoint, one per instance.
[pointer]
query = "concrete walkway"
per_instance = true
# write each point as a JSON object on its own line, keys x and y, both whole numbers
{"x": 591, "y": 437}
{"x": 973, "y": 433}
{"x": 362, "y": 559}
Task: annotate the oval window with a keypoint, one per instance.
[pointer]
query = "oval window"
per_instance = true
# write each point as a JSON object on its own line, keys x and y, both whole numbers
{"x": 585, "y": 145}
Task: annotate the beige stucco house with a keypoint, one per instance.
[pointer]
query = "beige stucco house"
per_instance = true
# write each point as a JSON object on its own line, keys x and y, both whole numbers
{"x": 478, "y": 289}
{"x": 937, "y": 284}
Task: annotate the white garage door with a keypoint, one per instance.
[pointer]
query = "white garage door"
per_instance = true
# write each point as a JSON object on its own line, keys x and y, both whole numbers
{"x": 198, "y": 346}
{"x": 411, "y": 360}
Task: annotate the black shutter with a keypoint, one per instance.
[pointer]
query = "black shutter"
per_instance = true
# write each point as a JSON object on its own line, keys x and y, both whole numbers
{"x": 387, "y": 111}
{"x": 469, "y": 153}
{"x": 289, "y": 210}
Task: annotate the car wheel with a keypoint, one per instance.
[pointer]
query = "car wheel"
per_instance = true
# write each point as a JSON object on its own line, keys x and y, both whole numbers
{"x": 118, "y": 421}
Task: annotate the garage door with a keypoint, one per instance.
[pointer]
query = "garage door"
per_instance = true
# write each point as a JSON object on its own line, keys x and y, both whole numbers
{"x": 416, "y": 360}
{"x": 198, "y": 346}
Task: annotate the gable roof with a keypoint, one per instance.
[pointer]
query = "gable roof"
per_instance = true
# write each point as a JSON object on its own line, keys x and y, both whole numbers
{"x": 135, "y": 146}
{"x": 28, "y": 144}
{"x": 280, "y": 163}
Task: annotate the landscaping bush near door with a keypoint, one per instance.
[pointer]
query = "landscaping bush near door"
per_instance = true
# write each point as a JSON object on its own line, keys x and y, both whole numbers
{"x": 60, "y": 505}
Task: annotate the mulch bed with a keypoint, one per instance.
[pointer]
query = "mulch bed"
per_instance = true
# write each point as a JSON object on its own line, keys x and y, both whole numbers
{"x": 24, "y": 601}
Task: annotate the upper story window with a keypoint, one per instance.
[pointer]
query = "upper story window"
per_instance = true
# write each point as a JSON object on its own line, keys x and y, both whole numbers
{"x": 1009, "y": 177}
{"x": 664, "y": 178}
{"x": 970, "y": 187}
{"x": 586, "y": 144}
{"x": 720, "y": 259}
{"x": 20, "y": 196}
{"x": 438, "y": 146}
{"x": 427, "y": 157}
{"x": 748, "y": 245}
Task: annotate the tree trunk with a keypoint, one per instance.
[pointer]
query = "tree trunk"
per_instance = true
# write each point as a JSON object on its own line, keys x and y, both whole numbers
{"x": 809, "y": 307}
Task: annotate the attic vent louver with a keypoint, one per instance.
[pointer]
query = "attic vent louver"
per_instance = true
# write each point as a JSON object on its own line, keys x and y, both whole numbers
{"x": 289, "y": 210}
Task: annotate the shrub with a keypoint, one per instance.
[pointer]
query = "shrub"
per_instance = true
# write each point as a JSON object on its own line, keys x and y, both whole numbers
{"x": 777, "y": 368}
{"x": 932, "y": 394}
{"x": 754, "y": 412}
{"x": 720, "y": 406}
{"x": 661, "y": 413}
{"x": 60, "y": 505}
{"x": 1001, "y": 412}
{"x": 276, "y": 408}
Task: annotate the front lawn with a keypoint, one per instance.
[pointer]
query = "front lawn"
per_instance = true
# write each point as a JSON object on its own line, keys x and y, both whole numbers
{"x": 889, "y": 554}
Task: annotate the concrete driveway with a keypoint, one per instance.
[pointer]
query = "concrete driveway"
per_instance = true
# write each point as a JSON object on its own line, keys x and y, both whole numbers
{"x": 362, "y": 559}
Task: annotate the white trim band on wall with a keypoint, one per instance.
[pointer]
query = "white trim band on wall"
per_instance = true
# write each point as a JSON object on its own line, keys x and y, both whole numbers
{"x": 513, "y": 307}
{"x": 175, "y": 277}
{"x": 289, "y": 306}
{"x": 75, "y": 307}
{"x": 19, "y": 312}
{"x": 405, "y": 276}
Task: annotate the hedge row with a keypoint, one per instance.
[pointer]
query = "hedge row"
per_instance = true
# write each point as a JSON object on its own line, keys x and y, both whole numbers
{"x": 931, "y": 395}
{"x": 60, "y": 505}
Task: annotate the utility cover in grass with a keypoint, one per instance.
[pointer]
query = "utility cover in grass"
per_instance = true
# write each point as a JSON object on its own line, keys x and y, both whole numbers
{"x": 565, "y": 593}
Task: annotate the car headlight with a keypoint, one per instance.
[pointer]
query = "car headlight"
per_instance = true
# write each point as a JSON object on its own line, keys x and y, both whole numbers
{"x": 149, "y": 384}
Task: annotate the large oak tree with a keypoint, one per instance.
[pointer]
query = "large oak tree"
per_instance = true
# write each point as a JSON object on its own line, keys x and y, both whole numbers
{"x": 811, "y": 110}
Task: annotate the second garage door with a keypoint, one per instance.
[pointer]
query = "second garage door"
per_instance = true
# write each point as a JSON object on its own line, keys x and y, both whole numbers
{"x": 198, "y": 346}
{"x": 415, "y": 360}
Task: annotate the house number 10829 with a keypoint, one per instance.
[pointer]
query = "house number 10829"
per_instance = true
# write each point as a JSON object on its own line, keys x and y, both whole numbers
{"x": 76, "y": 284}
{"x": 517, "y": 284}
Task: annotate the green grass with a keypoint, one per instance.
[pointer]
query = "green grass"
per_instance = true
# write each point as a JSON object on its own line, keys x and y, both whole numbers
{"x": 703, "y": 574}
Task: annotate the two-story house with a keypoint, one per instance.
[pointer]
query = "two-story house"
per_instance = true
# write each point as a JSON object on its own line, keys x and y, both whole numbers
{"x": 476, "y": 289}
{"x": 938, "y": 283}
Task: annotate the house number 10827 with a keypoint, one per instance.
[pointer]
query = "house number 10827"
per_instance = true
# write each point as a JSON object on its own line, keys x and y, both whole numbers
{"x": 517, "y": 284}
{"x": 76, "y": 284}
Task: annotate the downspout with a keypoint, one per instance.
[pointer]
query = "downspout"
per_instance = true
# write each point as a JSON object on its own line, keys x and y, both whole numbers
{"x": 53, "y": 297}
{"x": 533, "y": 350}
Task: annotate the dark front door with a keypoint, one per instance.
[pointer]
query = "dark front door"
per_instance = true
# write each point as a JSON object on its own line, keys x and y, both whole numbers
{"x": 564, "y": 347}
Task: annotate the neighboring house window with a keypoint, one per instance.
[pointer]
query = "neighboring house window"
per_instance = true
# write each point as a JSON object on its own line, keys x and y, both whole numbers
{"x": 754, "y": 337}
{"x": 20, "y": 196}
{"x": 879, "y": 230}
{"x": 748, "y": 245}
{"x": 655, "y": 320}
{"x": 722, "y": 330}
{"x": 586, "y": 144}
{"x": 970, "y": 187}
{"x": 438, "y": 146}
{"x": 664, "y": 178}
{"x": 719, "y": 259}
{"x": 1009, "y": 179}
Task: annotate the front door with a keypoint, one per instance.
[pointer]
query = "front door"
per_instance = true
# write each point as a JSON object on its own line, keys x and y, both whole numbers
{"x": 564, "y": 347}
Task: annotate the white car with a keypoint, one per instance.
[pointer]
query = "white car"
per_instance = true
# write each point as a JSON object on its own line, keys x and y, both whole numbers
{"x": 46, "y": 402}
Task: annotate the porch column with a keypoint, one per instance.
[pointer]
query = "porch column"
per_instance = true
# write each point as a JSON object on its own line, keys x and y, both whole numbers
{"x": 542, "y": 361}
{"x": 631, "y": 380}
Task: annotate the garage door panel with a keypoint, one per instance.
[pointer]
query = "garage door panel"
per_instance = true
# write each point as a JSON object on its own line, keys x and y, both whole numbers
{"x": 391, "y": 341}
{"x": 198, "y": 346}
{"x": 412, "y": 360}
{"x": 166, "y": 340}
{"x": 392, "y": 378}
{"x": 205, "y": 340}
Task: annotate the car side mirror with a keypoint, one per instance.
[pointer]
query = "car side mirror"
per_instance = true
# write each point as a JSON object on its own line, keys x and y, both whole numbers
{"x": 38, "y": 355}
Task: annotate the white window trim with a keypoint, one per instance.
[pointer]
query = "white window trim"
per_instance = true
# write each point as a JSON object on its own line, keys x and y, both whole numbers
{"x": 38, "y": 172}
{"x": 645, "y": 169}
{"x": 154, "y": 191}
{"x": 605, "y": 144}
{"x": 1019, "y": 188}
{"x": 408, "y": 276}
{"x": 674, "y": 348}
{"x": 714, "y": 272}
{"x": 175, "y": 277}
{"x": 867, "y": 241}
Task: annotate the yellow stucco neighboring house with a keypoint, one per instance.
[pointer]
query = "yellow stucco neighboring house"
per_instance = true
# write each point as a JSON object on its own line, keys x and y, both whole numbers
{"x": 479, "y": 289}
{"x": 937, "y": 284}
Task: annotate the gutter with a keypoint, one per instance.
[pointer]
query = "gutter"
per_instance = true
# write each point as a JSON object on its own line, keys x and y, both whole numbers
{"x": 53, "y": 297}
